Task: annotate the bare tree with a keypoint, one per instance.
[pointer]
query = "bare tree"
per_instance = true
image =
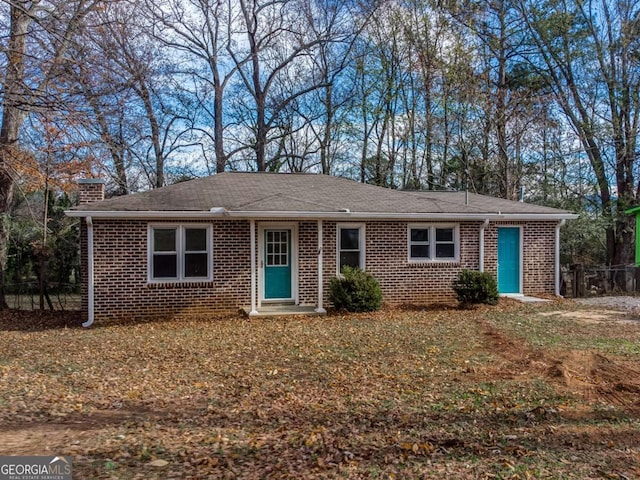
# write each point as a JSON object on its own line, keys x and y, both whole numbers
{"x": 201, "y": 31}
{"x": 278, "y": 43}
{"x": 587, "y": 52}
{"x": 39, "y": 35}
{"x": 124, "y": 79}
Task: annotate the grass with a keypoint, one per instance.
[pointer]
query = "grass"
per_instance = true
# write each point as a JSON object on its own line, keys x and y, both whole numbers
{"x": 395, "y": 394}
{"x": 575, "y": 327}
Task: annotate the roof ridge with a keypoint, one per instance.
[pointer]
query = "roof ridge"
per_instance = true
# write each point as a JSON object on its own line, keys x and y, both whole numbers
{"x": 448, "y": 202}
{"x": 289, "y": 197}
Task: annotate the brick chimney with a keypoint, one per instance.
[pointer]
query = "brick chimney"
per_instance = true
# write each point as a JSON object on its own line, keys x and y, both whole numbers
{"x": 90, "y": 190}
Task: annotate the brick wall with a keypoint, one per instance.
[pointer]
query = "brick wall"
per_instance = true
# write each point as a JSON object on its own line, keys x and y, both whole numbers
{"x": 308, "y": 263}
{"x": 122, "y": 291}
{"x": 120, "y": 272}
{"x": 90, "y": 190}
{"x": 415, "y": 283}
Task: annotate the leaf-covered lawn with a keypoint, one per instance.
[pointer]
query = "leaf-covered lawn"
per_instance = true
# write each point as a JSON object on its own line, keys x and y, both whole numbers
{"x": 397, "y": 394}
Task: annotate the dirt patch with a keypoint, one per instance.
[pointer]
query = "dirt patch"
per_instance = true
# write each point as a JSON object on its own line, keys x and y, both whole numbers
{"x": 33, "y": 438}
{"x": 593, "y": 316}
{"x": 595, "y": 375}
{"x": 591, "y": 375}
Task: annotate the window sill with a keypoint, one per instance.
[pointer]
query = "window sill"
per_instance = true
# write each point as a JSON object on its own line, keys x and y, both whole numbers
{"x": 436, "y": 261}
{"x": 180, "y": 283}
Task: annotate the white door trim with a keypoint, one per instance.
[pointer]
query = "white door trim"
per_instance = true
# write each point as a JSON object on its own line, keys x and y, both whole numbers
{"x": 293, "y": 226}
{"x": 520, "y": 255}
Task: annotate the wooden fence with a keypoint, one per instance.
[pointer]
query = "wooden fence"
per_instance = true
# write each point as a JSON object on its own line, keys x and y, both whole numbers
{"x": 582, "y": 281}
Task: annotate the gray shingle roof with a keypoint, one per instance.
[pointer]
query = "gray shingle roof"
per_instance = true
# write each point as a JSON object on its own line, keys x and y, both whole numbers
{"x": 309, "y": 193}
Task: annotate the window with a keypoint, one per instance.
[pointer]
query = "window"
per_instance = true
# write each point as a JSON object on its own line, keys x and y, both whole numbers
{"x": 179, "y": 253}
{"x": 445, "y": 243}
{"x": 419, "y": 244}
{"x": 277, "y": 248}
{"x": 429, "y": 243}
{"x": 350, "y": 246}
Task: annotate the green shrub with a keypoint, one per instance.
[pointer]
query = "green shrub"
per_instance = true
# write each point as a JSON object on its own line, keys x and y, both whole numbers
{"x": 474, "y": 287}
{"x": 355, "y": 291}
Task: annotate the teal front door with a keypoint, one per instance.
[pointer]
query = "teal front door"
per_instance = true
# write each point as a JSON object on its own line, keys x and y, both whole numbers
{"x": 277, "y": 264}
{"x": 509, "y": 260}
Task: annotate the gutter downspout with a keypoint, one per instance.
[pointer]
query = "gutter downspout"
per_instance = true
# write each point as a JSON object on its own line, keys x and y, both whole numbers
{"x": 254, "y": 310}
{"x": 319, "y": 308}
{"x": 90, "y": 279}
{"x": 559, "y": 225}
{"x": 484, "y": 225}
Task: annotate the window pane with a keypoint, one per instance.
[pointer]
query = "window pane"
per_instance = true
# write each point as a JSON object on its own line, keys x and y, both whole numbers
{"x": 349, "y": 239}
{"x": 445, "y": 250}
{"x": 444, "y": 234}
{"x": 419, "y": 234}
{"x": 195, "y": 239}
{"x": 351, "y": 259}
{"x": 165, "y": 266}
{"x": 164, "y": 239}
{"x": 419, "y": 251}
{"x": 195, "y": 265}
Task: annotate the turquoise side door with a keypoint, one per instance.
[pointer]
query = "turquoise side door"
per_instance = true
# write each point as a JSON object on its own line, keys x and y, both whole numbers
{"x": 508, "y": 260}
{"x": 277, "y": 264}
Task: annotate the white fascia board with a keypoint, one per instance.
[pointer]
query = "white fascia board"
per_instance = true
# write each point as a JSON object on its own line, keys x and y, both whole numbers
{"x": 145, "y": 215}
{"x": 124, "y": 215}
{"x": 356, "y": 216}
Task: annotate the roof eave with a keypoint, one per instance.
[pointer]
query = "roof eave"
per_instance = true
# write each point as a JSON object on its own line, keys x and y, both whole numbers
{"x": 149, "y": 215}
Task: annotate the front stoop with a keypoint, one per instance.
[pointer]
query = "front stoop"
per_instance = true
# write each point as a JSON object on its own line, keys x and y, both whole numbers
{"x": 282, "y": 311}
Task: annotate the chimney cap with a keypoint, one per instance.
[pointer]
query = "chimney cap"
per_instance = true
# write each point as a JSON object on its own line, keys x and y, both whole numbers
{"x": 90, "y": 180}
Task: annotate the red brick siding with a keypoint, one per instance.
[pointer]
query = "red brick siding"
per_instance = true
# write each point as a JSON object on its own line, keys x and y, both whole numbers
{"x": 539, "y": 257}
{"x": 120, "y": 269}
{"x": 417, "y": 283}
{"x": 329, "y": 233}
{"x": 122, "y": 291}
{"x": 308, "y": 263}
{"x": 386, "y": 259}
{"x": 90, "y": 192}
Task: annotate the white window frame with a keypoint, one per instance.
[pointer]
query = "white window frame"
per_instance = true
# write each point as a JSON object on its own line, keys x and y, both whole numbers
{"x": 362, "y": 241}
{"x": 180, "y": 252}
{"x": 432, "y": 227}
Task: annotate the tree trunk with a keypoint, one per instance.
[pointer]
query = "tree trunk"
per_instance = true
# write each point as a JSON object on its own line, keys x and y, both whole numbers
{"x": 218, "y": 127}
{"x": 261, "y": 136}
{"x": 325, "y": 144}
{"x": 145, "y": 96}
{"x": 501, "y": 113}
{"x": 12, "y": 118}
